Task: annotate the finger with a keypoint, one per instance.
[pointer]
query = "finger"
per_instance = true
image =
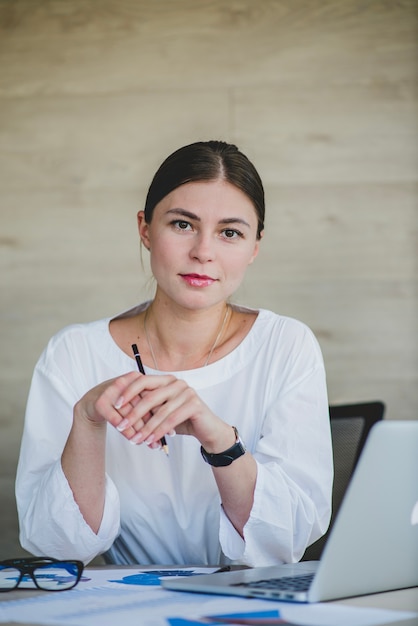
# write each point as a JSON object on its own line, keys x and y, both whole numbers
{"x": 129, "y": 419}
{"x": 112, "y": 392}
{"x": 156, "y": 403}
{"x": 126, "y": 420}
{"x": 162, "y": 400}
{"x": 167, "y": 417}
{"x": 109, "y": 401}
{"x": 127, "y": 407}
{"x": 142, "y": 386}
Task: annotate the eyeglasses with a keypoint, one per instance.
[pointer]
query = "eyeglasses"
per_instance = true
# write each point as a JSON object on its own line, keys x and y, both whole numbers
{"x": 47, "y": 574}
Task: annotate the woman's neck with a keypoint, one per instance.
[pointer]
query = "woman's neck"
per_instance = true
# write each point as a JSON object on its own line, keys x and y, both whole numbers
{"x": 180, "y": 339}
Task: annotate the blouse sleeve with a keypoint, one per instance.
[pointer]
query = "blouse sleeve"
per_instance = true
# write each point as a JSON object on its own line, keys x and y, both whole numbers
{"x": 51, "y": 523}
{"x": 292, "y": 499}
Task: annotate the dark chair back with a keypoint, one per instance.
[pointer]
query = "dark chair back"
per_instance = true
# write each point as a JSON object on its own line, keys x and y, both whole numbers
{"x": 350, "y": 426}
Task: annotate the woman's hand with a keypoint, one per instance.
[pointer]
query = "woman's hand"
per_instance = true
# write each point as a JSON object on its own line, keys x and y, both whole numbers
{"x": 97, "y": 406}
{"x": 145, "y": 408}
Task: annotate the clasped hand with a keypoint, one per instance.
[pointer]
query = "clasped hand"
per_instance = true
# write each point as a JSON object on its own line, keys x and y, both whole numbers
{"x": 146, "y": 408}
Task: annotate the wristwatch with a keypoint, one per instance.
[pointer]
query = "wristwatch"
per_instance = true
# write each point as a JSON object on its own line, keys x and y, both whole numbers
{"x": 225, "y": 458}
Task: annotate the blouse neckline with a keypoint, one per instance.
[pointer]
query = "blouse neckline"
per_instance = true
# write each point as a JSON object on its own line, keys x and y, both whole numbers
{"x": 241, "y": 354}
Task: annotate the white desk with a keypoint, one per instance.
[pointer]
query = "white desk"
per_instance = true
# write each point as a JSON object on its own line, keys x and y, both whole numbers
{"x": 402, "y": 600}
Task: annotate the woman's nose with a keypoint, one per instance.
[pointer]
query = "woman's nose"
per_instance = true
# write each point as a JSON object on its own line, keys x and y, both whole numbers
{"x": 203, "y": 249}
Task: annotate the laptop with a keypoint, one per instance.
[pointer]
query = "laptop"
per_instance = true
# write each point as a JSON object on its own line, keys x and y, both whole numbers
{"x": 372, "y": 546}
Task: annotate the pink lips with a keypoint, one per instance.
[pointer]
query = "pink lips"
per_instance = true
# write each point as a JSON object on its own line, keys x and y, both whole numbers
{"x": 197, "y": 280}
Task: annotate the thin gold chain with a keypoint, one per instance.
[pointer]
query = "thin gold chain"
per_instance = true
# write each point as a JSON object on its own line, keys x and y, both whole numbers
{"x": 215, "y": 343}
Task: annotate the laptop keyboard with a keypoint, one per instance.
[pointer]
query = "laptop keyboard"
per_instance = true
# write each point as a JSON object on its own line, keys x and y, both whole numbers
{"x": 301, "y": 582}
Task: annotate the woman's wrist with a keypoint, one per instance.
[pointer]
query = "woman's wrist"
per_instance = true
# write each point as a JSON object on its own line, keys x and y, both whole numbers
{"x": 221, "y": 441}
{"x": 222, "y": 459}
{"x": 81, "y": 419}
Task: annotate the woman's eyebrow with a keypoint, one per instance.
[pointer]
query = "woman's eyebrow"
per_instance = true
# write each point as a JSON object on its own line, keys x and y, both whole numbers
{"x": 234, "y": 220}
{"x": 184, "y": 213}
{"x": 193, "y": 216}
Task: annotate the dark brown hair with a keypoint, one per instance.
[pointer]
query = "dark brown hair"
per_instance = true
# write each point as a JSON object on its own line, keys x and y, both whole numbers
{"x": 206, "y": 161}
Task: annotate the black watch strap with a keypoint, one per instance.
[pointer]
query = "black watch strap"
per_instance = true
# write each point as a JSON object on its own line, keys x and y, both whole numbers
{"x": 225, "y": 458}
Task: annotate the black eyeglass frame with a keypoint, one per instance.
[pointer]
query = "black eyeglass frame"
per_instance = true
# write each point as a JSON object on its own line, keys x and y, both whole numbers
{"x": 28, "y": 565}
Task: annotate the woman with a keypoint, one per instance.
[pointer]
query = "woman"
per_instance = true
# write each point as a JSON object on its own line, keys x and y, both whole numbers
{"x": 90, "y": 479}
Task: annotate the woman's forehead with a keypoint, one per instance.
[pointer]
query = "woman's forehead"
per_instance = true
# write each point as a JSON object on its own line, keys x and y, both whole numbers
{"x": 217, "y": 198}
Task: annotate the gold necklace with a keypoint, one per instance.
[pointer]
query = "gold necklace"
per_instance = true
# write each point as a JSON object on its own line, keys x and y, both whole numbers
{"x": 215, "y": 343}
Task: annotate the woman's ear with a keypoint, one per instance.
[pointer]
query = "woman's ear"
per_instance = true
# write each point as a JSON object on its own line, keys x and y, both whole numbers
{"x": 143, "y": 229}
{"x": 256, "y": 248}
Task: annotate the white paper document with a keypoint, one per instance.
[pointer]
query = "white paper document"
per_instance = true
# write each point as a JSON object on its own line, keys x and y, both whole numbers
{"x": 134, "y": 597}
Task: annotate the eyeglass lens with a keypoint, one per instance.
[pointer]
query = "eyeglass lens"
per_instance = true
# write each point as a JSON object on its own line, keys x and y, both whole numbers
{"x": 51, "y": 577}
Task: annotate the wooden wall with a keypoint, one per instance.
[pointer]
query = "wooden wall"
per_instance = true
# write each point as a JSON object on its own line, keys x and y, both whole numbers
{"x": 321, "y": 95}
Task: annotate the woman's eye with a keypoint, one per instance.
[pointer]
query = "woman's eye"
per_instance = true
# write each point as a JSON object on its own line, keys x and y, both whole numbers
{"x": 181, "y": 224}
{"x": 231, "y": 233}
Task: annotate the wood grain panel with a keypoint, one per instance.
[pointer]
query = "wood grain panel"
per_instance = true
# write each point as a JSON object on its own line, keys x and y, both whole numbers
{"x": 71, "y": 47}
{"x": 99, "y": 142}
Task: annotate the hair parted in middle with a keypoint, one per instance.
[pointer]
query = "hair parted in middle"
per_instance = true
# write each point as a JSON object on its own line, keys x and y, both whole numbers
{"x": 207, "y": 161}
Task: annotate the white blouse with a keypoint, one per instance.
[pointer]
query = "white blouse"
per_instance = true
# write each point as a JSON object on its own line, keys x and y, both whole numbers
{"x": 167, "y": 510}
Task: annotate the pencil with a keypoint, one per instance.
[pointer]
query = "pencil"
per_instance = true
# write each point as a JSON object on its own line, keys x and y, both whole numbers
{"x": 138, "y": 360}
